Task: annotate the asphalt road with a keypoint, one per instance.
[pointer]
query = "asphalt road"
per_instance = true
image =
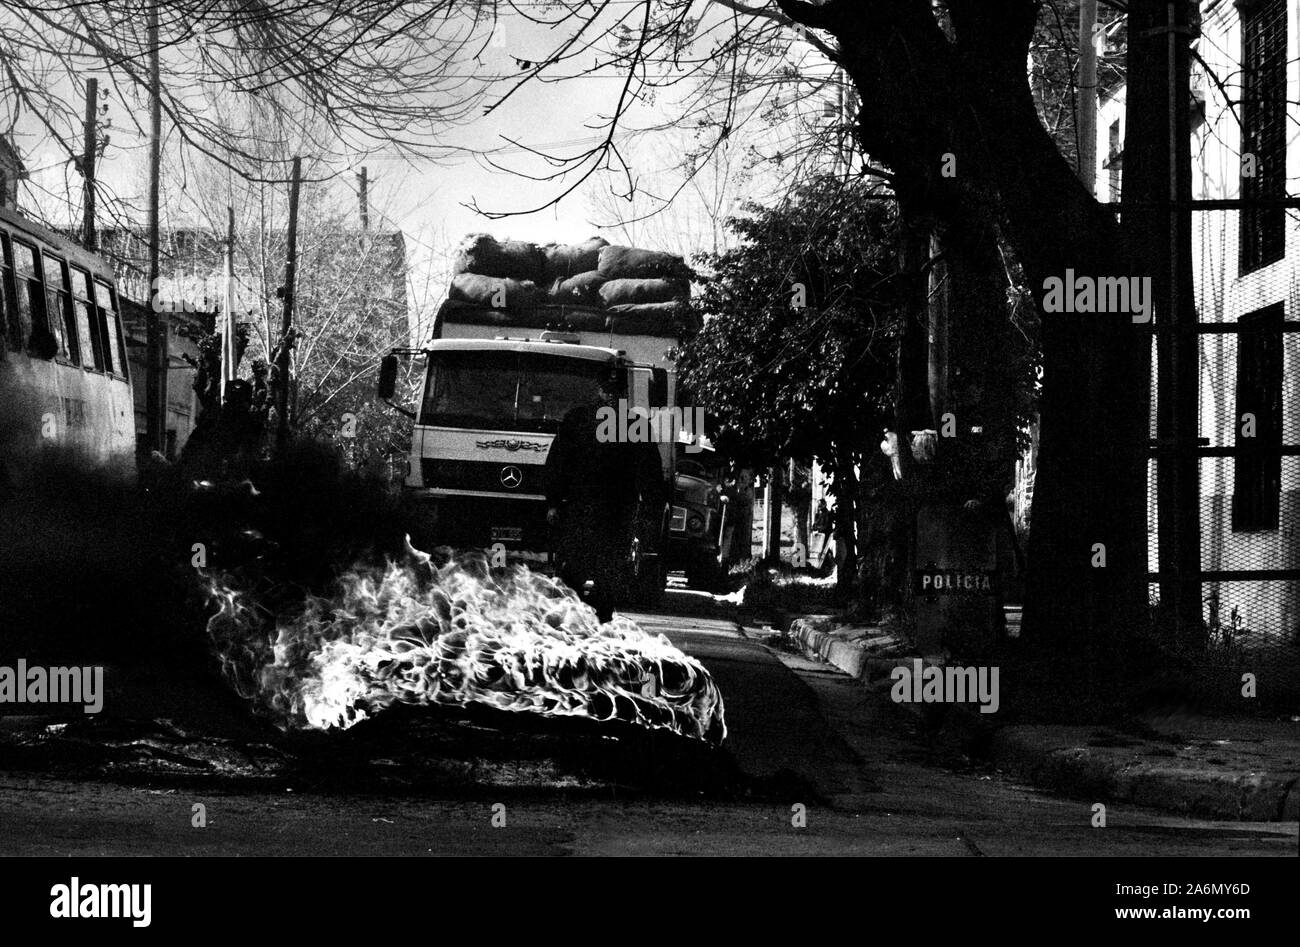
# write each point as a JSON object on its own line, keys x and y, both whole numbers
{"x": 840, "y": 773}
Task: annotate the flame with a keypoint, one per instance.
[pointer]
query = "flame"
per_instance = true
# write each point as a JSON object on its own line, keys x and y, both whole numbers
{"x": 454, "y": 635}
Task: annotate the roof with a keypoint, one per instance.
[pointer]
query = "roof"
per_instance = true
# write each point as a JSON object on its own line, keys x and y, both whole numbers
{"x": 18, "y": 223}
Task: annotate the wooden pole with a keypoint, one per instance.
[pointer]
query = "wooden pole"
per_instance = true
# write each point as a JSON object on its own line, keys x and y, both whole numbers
{"x": 286, "y": 325}
{"x": 363, "y": 179}
{"x": 156, "y": 365}
{"x": 88, "y": 164}
{"x": 1086, "y": 119}
{"x": 228, "y": 365}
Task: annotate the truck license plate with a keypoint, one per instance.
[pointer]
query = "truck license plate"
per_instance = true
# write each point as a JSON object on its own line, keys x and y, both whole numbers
{"x": 507, "y": 533}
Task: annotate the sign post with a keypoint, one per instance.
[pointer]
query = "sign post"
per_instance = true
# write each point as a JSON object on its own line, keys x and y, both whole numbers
{"x": 955, "y": 579}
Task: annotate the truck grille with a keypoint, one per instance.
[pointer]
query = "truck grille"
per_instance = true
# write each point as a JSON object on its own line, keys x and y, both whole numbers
{"x": 481, "y": 475}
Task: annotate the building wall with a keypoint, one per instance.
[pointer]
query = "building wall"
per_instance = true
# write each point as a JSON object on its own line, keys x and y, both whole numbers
{"x": 1223, "y": 295}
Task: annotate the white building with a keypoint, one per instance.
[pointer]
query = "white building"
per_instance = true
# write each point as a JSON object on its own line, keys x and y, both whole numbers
{"x": 1245, "y": 144}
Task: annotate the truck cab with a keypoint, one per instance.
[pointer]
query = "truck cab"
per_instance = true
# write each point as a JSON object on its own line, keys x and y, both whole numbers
{"x": 486, "y": 418}
{"x": 484, "y": 424}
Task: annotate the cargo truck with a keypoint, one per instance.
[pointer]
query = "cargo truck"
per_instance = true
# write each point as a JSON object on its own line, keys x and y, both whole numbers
{"x": 497, "y": 381}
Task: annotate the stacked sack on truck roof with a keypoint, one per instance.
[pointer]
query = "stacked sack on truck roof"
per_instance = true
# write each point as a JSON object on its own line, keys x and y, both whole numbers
{"x": 594, "y": 274}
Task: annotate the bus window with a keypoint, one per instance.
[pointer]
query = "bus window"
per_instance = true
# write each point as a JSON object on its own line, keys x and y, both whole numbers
{"x": 92, "y": 355}
{"x": 59, "y": 306}
{"x": 30, "y": 299}
{"x": 108, "y": 321}
{"x": 123, "y": 365}
{"x": 15, "y": 332}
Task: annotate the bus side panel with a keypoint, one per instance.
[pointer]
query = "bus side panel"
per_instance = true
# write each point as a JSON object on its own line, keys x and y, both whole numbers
{"x": 87, "y": 413}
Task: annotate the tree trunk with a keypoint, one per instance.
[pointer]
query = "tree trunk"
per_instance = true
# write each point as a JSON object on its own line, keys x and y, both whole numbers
{"x": 911, "y": 394}
{"x": 885, "y": 515}
{"x": 930, "y": 94}
{"x": 844, "y": 486}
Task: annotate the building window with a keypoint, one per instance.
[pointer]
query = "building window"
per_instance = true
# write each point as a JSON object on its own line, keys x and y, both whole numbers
{"x": 1263, "y": 131}
{"x": 1257, "y": 474}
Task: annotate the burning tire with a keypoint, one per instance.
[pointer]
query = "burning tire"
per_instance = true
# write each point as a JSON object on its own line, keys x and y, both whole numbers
{"x": 455, "y": 635}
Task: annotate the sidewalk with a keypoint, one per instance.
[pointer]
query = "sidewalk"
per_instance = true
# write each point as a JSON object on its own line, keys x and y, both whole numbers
{"x": 1228, "y": 768}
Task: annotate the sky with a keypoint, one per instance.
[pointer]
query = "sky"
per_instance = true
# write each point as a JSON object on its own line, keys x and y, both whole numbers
{"x": 428, "y": 199}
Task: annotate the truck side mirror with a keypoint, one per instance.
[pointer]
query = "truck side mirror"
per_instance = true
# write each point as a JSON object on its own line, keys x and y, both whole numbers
{"x": 387, "y": 377}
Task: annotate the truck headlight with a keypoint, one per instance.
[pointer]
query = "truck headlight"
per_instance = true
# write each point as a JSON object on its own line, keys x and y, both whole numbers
{"x": 678, "y": 521}
{"x": 695, "y": 523}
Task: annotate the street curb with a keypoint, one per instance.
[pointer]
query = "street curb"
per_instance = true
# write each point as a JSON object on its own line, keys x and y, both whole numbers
{"x": 864, "y": 656}
{"x": 1060, "y": 759}
{"x": 1052, "y": 760}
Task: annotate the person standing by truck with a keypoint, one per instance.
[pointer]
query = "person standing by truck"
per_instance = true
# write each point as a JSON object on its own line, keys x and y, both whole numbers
{"x": 597, "y": 491}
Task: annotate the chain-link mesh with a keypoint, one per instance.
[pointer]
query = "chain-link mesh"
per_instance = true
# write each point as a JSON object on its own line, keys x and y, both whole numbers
{"x": 1248, "y": 454}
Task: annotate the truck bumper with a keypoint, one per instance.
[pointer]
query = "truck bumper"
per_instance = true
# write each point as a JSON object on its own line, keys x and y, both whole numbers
{"x": 465, "y": 521}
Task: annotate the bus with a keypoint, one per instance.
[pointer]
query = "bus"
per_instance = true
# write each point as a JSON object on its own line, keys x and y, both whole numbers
{"x": 64, "y": 376}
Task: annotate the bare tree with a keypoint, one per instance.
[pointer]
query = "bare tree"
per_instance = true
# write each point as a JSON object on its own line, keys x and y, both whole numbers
{"x": 946, "y": 112}
{"x": 348, "y": 77}
{"x": 675, "y": 207}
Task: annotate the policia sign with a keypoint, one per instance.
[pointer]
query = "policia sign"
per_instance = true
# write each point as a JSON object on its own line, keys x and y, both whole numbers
{"x": 935, "y": 581}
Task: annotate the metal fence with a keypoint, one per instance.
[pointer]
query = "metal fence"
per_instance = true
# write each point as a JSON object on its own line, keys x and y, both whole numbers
{"x": 1245, "y": 457}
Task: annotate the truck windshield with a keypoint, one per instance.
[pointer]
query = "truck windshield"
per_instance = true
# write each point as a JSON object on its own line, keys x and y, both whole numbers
{"x": 513, "y": 391}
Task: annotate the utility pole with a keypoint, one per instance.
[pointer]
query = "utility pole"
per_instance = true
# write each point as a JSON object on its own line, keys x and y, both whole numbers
{"x": 365, "y": 199}
{"x": 228, "y": 350}
{"x": 1085, "y": 122}
{"x": 156, "y": 335}
{"x": 286, "y": 326}
{"x": 88, "y": 165}
{"x": 1177, "y": 350}
{"x": 1184, "y": 361}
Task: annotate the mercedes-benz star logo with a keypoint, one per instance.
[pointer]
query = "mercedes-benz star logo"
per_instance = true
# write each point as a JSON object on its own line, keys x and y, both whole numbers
{"x": 511, "y": 477}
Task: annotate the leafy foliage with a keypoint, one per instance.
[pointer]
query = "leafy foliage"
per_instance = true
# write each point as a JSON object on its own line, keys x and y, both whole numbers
{"x": 785, "y": 380}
